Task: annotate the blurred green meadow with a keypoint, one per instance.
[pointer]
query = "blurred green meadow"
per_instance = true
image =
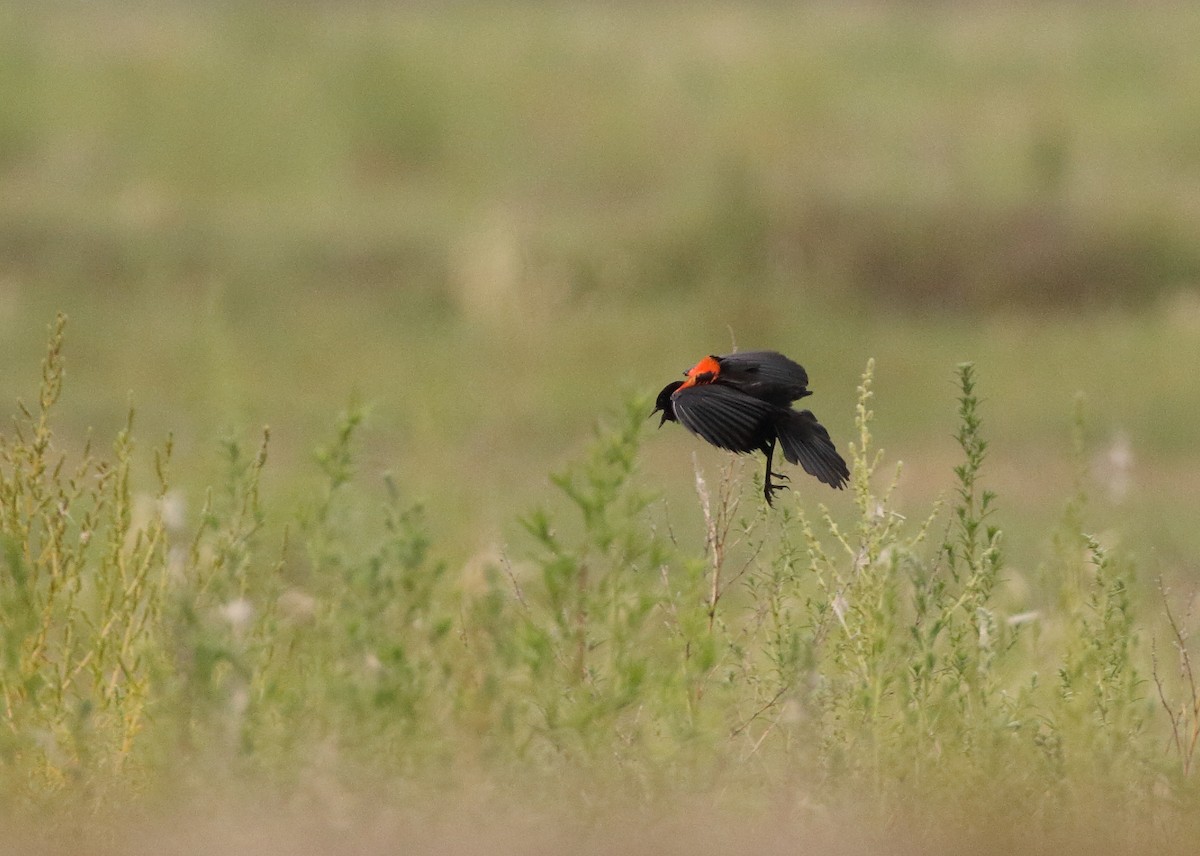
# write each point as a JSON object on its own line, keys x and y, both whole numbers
{"x": 492, "y": 226}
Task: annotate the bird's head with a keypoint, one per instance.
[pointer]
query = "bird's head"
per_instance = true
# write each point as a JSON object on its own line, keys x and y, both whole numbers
{"x": 663, "y": 403}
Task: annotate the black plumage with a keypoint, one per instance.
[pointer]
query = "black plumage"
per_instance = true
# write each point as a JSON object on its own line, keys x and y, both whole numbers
{"x": 743, "y": 403}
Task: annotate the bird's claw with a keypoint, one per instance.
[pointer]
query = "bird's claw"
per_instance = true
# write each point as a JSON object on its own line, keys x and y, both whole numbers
{"x": 769, "y": 491}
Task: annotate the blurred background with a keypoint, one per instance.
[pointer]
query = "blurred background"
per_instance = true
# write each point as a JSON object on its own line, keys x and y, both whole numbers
{"x": 495, "y": 223}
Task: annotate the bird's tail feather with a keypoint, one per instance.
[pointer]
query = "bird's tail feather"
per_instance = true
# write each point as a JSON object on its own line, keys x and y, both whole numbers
{"x": 805, "y": 441}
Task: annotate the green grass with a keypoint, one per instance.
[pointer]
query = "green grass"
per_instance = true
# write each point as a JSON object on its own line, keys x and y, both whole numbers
{"x": 882, "y": 665}
{"x": 892, "y": 152}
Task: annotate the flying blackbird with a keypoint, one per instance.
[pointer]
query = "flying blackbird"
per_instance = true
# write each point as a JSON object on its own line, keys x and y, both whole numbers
{"x": 743, "y": 402}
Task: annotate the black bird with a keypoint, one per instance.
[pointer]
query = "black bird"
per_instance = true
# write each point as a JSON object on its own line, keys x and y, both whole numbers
{"x": 743, "y": 403}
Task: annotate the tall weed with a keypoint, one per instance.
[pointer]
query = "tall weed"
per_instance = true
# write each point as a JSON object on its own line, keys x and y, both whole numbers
{"x": 839, "y": 657}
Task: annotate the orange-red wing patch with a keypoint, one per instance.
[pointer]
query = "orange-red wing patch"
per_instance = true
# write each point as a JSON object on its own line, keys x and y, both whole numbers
{"x": 705, "y": 371}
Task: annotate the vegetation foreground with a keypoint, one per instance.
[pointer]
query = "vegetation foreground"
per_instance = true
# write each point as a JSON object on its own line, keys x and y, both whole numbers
{"x": 789, "y": 669}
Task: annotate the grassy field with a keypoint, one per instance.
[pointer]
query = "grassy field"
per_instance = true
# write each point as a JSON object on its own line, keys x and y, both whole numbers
{"x": 445, "y": 253}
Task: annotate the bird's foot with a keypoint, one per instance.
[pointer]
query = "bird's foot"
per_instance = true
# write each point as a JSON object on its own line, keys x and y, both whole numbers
{"x": 782, "y": 476}
{"x": 769, "y": 491}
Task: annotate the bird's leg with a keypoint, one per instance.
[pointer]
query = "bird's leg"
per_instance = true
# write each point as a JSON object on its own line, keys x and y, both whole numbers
{"x": 768, "y": 488}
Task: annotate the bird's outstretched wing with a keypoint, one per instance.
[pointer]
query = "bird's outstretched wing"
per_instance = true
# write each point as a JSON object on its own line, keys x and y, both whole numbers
{"x": 724, "y": 416}
{"x": 764, "y": 372}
